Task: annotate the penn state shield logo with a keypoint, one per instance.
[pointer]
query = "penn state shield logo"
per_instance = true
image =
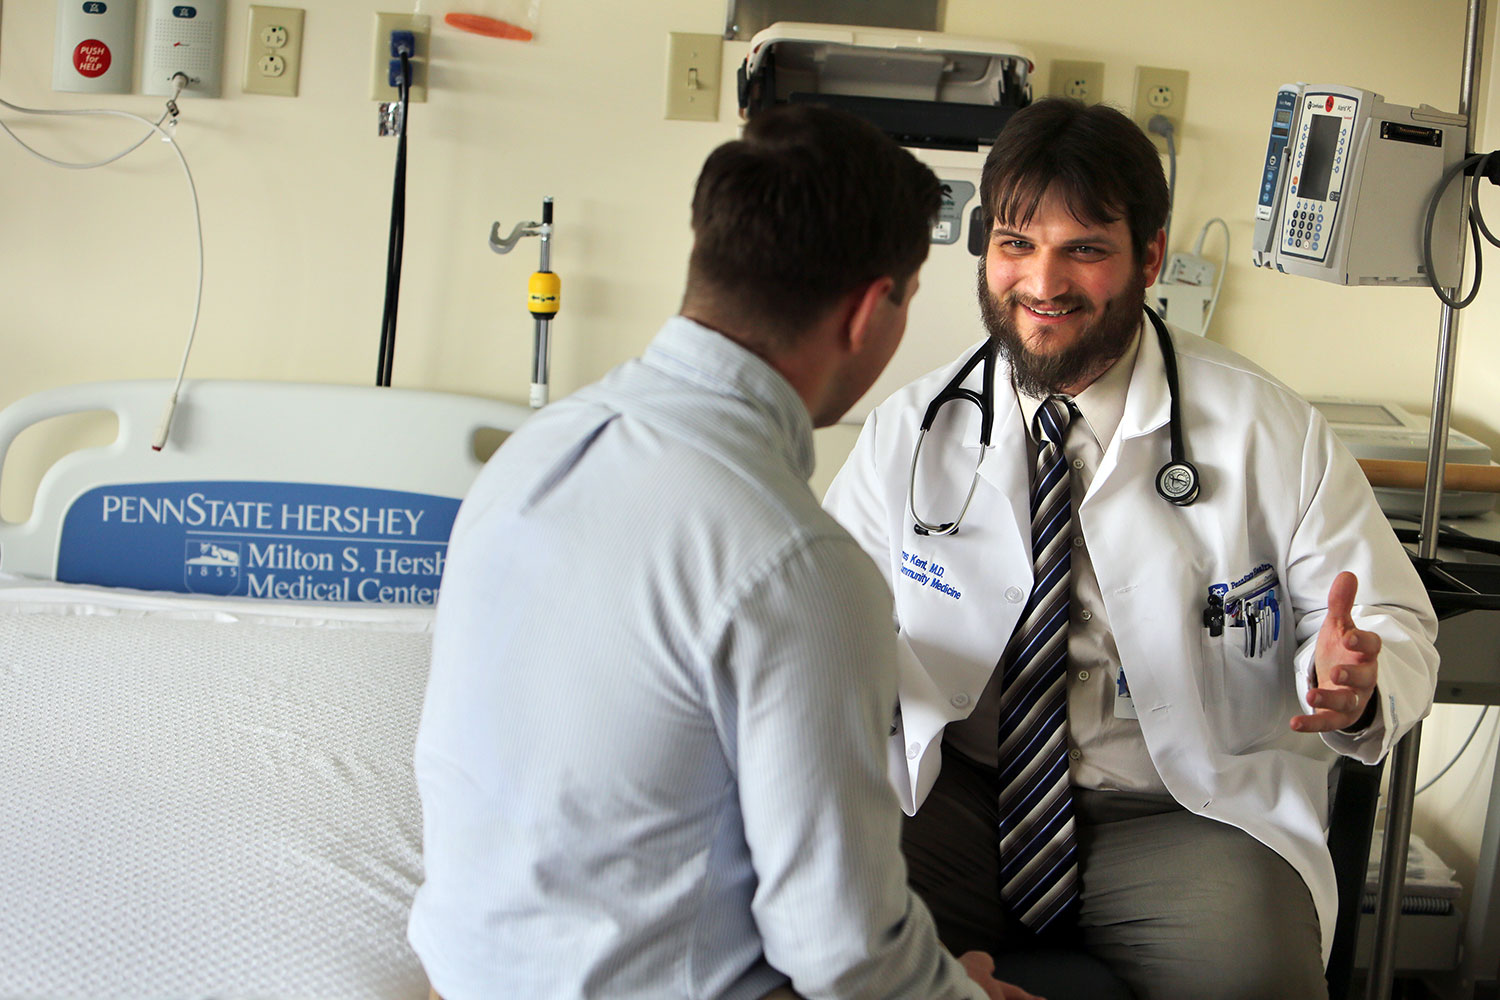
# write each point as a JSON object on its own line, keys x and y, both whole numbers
{"x": 212, "y": 567}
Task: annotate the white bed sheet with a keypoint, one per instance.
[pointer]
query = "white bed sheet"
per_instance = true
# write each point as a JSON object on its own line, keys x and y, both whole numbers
{"x": 207, "y": 797}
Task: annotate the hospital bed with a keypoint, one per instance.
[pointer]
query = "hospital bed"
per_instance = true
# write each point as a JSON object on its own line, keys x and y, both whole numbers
{"x": 207, "y": 775}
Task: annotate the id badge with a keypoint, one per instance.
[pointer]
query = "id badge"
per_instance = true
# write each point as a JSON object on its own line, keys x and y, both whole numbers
{"x": 1124, "y": 704}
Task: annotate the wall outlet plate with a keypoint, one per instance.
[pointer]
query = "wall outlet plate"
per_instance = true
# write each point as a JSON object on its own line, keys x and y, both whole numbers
{"x": 1078, "y": 79}
{"x": 693, "y": 63}
{"x": 1163, "y": 92}
{"x": 273, "y": 51}
{"x": 420, "y": 25}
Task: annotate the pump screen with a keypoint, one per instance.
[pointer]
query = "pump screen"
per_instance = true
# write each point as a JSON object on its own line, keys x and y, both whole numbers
{"x": 1283, "y": 118}
{"x": 1317, "y": 166}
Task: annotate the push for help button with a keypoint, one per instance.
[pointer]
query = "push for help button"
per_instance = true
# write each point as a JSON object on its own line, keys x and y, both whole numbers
{"x": 91, "y": 58}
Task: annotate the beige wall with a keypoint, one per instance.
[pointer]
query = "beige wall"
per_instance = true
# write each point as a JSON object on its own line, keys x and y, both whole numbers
{"x": 96, "y": 268}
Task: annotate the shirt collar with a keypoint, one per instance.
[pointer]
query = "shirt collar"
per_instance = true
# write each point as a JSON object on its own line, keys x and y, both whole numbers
{"x": 704, "y": 357}
{"x": 1102, "y": 402}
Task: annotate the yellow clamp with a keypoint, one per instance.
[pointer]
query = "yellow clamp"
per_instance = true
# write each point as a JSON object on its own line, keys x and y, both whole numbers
{"x": 542, "y": 294}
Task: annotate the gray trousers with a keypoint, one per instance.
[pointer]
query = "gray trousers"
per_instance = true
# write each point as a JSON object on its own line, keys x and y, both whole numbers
{"x": 1175, "y": 905}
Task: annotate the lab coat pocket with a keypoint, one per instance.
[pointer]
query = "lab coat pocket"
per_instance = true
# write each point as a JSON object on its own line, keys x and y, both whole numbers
{"x": 1248, "y": 696}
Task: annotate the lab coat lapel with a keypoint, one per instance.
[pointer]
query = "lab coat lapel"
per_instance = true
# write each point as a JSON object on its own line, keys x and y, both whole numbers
{"x": 1148, "y": 404}
{"x": 987, "y": 561}
{"x": 1149, "y": 556}
{"x": 1006, "y": 466}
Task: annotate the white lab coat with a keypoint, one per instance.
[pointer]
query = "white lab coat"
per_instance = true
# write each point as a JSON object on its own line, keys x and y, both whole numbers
{"x": 1277, "y": 488}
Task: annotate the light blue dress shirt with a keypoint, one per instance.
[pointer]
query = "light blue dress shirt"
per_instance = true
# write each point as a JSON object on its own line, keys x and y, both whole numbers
{"x": 652, "y": 756}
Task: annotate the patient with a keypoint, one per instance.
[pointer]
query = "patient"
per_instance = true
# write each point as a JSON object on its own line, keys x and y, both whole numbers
{"x": 652, "y": 756}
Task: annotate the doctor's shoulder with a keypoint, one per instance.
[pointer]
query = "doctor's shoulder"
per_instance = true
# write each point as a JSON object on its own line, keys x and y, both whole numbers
{"x": 1225, "y": 385}
{"x": 907, "y": 404}
{"x": 888, "y": 434}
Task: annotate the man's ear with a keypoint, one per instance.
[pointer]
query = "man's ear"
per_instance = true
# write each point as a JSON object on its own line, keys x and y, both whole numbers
{"x": 865, "y": 304}
{"x": 1151, "y": 260}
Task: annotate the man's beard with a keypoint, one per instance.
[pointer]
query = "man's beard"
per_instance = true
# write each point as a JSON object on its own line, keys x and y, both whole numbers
{"x": 1101, "y": 344}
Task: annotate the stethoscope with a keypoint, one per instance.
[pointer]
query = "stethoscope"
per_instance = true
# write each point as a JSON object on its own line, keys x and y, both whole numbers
{"x": 1176, "y": 482}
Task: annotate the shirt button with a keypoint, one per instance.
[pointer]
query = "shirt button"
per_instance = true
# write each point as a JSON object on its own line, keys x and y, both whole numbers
{"x": 913, "y": 750}
{"x": 1083, "y": 675}
{"x": 1013, "y": 595}
{"x": 1078, "y": 463}
{"x": 1086, "y": 615}
{"x": 959, "y": 700}
{"x": 1077, "y": 541}
{"x": 1075, "y": 754}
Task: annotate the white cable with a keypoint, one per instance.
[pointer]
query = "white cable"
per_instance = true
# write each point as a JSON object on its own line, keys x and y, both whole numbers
{"x": 1449, "y": 766}
{"x": 164, "y": 427}
{"x": 72, "y": 165}
{"x": 67, "y": 164}
{"x": 1213, "y": 303}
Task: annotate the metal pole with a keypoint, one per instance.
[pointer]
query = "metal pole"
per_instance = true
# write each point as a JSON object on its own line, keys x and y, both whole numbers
{"x": 1400, "y": 795}
{"x": 1442, "y": 390}
{"x": 1402, "y": 790}
{"x": 541, "y": 341}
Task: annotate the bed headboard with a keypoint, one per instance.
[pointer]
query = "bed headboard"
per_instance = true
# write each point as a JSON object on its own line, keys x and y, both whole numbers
{"x": 290, "y": 491}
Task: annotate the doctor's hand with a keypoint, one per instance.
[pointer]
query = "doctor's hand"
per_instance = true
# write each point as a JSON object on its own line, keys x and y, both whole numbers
{"x": 1345, "y": 660}
{"x": 981, "y": 968}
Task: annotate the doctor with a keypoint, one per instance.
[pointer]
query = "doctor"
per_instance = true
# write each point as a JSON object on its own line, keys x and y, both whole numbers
{"x": 1130, "y": 667}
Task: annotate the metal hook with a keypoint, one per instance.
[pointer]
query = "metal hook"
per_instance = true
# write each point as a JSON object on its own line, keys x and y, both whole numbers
{"x": 508, "y": 244}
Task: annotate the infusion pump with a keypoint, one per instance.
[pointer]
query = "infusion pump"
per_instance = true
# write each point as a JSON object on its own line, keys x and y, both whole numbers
{"x": 1346, "y": 186}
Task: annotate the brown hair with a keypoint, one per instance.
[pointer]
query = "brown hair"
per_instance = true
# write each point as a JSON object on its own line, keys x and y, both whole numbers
{"x": 1097, "y": 160}
{"x": 809, "y": 204}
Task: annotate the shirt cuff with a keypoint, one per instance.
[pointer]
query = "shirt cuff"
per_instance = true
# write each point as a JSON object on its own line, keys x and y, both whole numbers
{"x": 1372, "y": 709}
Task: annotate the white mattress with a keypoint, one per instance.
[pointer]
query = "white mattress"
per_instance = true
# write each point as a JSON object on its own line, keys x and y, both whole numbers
{"x": 206, "y": 798}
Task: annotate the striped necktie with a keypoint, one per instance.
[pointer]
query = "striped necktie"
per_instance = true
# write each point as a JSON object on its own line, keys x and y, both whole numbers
{"x": 1038, "y": 856}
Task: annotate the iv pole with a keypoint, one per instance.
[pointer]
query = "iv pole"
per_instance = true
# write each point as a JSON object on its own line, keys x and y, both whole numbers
{"x": 1402, "y": 790}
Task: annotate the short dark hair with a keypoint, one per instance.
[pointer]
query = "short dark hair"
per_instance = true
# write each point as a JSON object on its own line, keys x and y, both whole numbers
{"x": 807, "y": 205}
{"x": 1098, "y": 161}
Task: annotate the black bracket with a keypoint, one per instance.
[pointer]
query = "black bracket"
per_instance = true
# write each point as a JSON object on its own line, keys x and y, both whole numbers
{"x": 1491, "y": 171}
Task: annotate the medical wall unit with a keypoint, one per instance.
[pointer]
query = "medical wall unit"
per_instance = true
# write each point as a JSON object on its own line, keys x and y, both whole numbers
{"x": 95, "y": 46}
{"x": 944, "y": 97}
{"x": 183, "y": 38}
{"x": 1346, "y": 183}
{"x": 746, "y": 18}
{"x": 924, "y": 89}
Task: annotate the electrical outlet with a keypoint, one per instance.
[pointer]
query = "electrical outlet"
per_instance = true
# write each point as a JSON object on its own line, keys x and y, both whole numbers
{"x": 273, "y": 51}
{"x": 1160, "y": 92}
{"x": 420, "y": 25}
{"x": 693, "y": 63}
{"x": 1082, "y": 81}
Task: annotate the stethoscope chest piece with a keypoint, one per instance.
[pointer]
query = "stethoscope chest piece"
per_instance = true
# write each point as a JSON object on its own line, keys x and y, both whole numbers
{"x": 1177, "y": 483}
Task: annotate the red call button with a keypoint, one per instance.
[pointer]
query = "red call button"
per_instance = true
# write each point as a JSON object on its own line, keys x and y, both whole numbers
{"x": 91, "y": 58}
{"x": 1329, "y": 105}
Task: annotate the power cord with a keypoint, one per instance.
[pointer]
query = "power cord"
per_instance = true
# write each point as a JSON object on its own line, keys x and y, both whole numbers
{"x": 403, "y": 47}
{"x": 1162, "y": 126}
{"x": 179, "y": 81}
{"x": 1213, "y": 303}
{"x": 1449, "y": 766}
{"x": 1477, "y": 165}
